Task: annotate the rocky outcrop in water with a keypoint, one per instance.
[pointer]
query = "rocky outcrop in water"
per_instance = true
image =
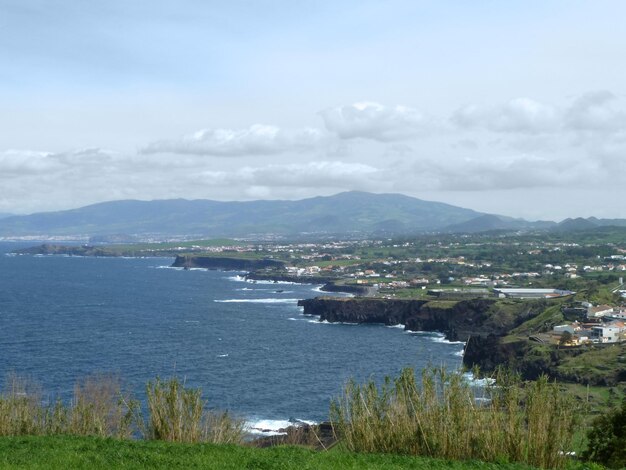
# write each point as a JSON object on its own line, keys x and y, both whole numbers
{"x": 222, "y": 262}
{"x": 67, "y": 250}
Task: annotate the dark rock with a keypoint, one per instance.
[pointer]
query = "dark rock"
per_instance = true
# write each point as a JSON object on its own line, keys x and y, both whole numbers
{"x": 211, "y": 262}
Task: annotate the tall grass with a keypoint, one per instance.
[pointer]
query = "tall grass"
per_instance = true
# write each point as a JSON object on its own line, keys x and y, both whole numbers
{"x": 178, "y": 414}
{"x": 443, "y": 417}
{"x": 100, "y": 407}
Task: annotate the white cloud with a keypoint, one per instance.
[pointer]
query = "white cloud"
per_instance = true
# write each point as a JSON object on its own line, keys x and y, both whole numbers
{"x": 595, "y": 111}
{"x": 258, "y": 139}
{"x": 520, "y": 115}
{"x": 375, "y": 121}
{"x": 320, "y": 174}
{"x": 25, "y": 162}
{"x": 522, "y": 144}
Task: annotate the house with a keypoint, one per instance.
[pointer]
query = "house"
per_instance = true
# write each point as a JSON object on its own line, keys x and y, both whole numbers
{"x": 605, "y": 334}
{"x": 569, "y": 327}
{"x": 599, "y": 311}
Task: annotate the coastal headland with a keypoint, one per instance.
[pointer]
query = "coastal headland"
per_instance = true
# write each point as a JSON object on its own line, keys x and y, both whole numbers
{"x": 390, "y": 287}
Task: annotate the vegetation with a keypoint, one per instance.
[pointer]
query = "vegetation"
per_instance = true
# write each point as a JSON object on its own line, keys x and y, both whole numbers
{"x": 607, "y": 438}
{"x": 178, "y": 414}
{"x": 443, "y": 422}
{"x": 62, "y": 452}
{"x": 531, "y": 423}
{"x": 101, "y": 408}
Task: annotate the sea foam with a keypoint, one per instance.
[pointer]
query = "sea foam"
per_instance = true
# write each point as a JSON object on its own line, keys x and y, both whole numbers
{"x": 272, "y": 427}
{"x": 257, "y": 301}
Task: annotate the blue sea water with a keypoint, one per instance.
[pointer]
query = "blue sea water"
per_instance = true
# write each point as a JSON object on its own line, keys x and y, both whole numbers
{"x": 247, "y": 345}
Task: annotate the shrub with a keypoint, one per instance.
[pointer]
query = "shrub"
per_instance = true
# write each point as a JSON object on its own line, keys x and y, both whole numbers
{"x": 177, "y": 414}
{"x": 531, "y": 423}
{"x": 98, "y": 409}
{"x": 607, "y": 439}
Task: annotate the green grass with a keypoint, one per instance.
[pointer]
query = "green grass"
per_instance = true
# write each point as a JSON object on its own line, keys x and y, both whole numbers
{"x": 337, "y": 262}
{"x": 442, "y": 418}
{"x": 62, "y": 452}
{"x": 604, "y": 361}
{"x": 543, "y": 322}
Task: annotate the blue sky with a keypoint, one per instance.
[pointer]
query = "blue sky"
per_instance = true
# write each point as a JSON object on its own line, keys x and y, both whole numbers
{"x": 512, "y": 107}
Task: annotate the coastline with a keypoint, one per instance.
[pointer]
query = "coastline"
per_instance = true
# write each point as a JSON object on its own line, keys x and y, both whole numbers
{"x": 457, "y": 321}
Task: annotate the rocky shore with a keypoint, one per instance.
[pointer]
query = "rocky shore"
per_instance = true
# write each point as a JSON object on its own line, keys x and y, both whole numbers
{"x": 478, "y": 322}
{"x": 458, "y": 320}
{"x": 224, "y": 262}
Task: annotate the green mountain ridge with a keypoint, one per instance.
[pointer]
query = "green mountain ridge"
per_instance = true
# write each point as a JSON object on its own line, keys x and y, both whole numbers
{"x": 341, "y": 214}
{"x": 345, "y": 214}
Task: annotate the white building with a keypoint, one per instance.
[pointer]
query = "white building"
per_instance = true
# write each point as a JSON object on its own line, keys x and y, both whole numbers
{"x": 605, "y": 334}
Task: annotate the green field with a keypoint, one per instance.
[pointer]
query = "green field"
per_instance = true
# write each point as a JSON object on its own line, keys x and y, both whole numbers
{"x": 63, "y": 452}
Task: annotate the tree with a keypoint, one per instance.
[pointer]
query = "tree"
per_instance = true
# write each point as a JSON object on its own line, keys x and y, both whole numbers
{"x": 607, "y": 439}
{"x": 566, "y": 338}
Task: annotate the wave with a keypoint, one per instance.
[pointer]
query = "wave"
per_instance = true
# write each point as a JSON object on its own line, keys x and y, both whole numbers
{"x": 272, "y": 427}
{"x": 399, "y": 325}
{"x": 326, "y": 322}
{"x": 222, "y": 355}
{"x": 178, "y": 268}
{"x": 257, "y": 301}
{"x": 264, "y": 282}
{"x": 442, "y": 339}
{"x": 239, "y": 278}
{"x": 434, "y": 336}
{"x": 460, "y": 353}
{"x": 469, "y": 377}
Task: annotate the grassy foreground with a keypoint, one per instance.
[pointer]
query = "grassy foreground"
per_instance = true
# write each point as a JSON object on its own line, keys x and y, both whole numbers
{"x": 51, "y": 452}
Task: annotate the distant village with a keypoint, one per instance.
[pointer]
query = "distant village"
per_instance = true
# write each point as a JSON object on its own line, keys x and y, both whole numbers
{"x": 598, "y": 324}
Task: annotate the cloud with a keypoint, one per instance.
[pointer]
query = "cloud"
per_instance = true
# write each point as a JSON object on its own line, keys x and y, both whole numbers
{"x": 258, "y": 139}
{"x": 34, "y": 180}
{"x": 520, "y": 115}
{"x": 595, "y": 111}
{"x": 25, "y": 162}
{"x": 319, "y": 174}
{"x": 368, "y": 120}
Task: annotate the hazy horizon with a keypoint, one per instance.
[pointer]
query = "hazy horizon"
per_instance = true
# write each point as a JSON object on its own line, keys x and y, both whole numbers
{"x": 513, "y": 108}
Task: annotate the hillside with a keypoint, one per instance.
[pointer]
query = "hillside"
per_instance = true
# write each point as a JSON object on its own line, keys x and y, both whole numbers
{"x": 341, "y": 214}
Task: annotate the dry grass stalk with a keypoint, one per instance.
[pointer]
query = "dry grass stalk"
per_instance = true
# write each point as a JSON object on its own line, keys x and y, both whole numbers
{"x": 531, "y": 423}
{"x": 178, "y": 414}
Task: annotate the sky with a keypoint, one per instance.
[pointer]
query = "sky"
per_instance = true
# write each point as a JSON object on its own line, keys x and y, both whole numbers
{"x": 515, "y": 108}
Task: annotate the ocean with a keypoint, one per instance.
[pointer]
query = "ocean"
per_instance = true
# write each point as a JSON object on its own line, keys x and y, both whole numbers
{"x": 247, "y": 345}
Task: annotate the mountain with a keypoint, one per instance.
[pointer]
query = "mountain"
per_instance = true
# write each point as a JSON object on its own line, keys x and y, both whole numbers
{"x": 590, "y": 223}
{"x": 345, "y": 213}
{"x": 4, "y": 215}
{"x": 490, "y": 222}
{"x": 569, "y": 225}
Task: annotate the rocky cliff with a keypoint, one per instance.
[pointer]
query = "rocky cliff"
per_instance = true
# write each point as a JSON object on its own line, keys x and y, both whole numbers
{"x": 458, "y": 320}
{"x": 215, "y": 262}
